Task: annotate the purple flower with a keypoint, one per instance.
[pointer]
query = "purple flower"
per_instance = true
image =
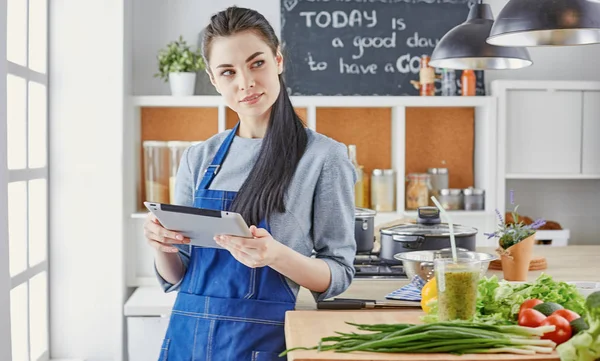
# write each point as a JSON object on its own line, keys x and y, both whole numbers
{"x": 512, "y": 196}
{"x": 500, "y": 216}
{"x": 490, "y": 235}
{"x": 537, "y": 224}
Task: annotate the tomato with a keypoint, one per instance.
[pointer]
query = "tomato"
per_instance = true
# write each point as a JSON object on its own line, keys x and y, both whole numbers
{"x": 562, "y": 332}
{"x": 531, "y": 318}
{"x": 567, "y": 314}
{"x": 529, "y": 304}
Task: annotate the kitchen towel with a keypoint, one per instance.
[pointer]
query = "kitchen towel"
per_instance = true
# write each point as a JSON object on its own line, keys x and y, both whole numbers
{"x": 410, "y": 292}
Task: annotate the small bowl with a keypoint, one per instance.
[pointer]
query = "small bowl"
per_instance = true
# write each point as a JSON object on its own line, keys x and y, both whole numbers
{"x": 421, "y": 262}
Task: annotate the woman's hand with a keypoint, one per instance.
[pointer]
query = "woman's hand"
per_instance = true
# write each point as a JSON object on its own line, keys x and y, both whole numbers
{"x": 161, "y": 238}
{"x": 262, "y": 250}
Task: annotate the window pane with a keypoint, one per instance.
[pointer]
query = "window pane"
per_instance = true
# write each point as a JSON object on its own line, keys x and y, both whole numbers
{"x": 38, "y": 231}
{"x": 18, "y": 322}
{"x": 17, "y": 227}
{"x": 37, "y": 125}
{"x": 16, "y": 125}
{"x": 16, "y": 42}
{"x": 37, "y": 35}
{"x": 38, "y": 319}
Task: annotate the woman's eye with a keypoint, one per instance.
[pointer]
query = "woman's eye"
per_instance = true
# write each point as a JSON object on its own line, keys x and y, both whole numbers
{"x": 227, "y": 73}
{"x": 258, "y": 63}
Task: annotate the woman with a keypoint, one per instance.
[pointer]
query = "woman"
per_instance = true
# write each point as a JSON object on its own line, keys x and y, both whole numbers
{"x": 293, "y": 186}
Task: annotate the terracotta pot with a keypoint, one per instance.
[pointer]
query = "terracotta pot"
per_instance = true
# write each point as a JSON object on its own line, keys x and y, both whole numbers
{"x": 515, "y": 259}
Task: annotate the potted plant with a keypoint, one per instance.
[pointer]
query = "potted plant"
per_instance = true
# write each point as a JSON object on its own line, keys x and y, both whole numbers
{"x": 515, "y": 243}
{"x": 178, "y": 64}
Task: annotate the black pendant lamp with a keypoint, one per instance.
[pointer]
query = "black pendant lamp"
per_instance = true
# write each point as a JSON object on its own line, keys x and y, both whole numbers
{"x": 465, "y": 46}
{"x": 547, "y": 22}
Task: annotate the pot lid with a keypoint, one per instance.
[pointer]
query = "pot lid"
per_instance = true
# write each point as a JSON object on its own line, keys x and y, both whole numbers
{"x": 364, "y": 212}
{"x": 429, "y": 230}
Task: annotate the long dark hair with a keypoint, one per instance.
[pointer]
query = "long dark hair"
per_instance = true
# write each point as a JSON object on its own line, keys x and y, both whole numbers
{"x": 285, "y": 140}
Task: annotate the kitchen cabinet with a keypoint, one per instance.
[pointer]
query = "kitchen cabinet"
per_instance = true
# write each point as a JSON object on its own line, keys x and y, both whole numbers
{"x": 590, "y": 162}
{"x": 145, "y": 336}
{"x": 543, "y": 131}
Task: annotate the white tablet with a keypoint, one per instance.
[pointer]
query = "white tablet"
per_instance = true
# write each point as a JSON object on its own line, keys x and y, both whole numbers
{"x": 198, "y": 224}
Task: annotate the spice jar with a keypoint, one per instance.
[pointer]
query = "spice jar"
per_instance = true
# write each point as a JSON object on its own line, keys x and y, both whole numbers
{"x": 383, "y": 190}
{"x": 417, "y": 190}
{"x": 426, "y": 77}
{"x": 451, "y": 199}
{"x": 468, "y": 82}
{"x": 474, "y": 199}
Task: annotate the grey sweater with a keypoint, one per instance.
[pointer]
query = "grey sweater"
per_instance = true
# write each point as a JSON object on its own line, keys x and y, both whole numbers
{"x": 319, "y": 202}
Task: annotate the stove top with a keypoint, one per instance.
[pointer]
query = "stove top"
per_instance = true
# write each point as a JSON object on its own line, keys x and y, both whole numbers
{"x": 371, "y": 266}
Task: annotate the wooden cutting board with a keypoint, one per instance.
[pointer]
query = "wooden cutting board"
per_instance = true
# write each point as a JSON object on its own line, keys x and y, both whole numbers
{"x": 306, "y": 328}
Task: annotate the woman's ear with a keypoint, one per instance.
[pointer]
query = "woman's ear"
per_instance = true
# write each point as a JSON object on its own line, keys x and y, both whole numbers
{"x": 212, "y": 81}
{"x": 279, "y": 60}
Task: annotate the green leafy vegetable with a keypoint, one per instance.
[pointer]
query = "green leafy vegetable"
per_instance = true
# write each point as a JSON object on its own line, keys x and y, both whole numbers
{"x": 498, "y": 302}
{"x": 585, "y": 346}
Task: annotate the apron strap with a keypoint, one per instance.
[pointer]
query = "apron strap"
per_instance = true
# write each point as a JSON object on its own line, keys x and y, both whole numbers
{"x": 211, "y": 171}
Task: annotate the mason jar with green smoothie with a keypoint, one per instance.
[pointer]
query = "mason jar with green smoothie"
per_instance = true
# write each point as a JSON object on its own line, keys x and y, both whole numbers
{"x": 457, "y": 287}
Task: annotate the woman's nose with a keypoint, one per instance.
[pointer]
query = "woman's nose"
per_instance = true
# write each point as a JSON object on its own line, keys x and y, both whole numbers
{"x": 246, "y": 81}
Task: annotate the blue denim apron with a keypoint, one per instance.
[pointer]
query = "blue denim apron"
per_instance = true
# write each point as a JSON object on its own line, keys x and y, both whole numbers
{"x": 225, "y": 310}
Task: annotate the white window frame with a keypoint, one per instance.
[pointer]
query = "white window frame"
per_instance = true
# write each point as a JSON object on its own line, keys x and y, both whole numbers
{"x": 7, "y": 283}
{"x": 5, "y": 339}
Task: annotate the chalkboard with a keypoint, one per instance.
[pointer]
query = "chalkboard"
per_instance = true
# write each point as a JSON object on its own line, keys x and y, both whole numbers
{"x": 364, "y": 47}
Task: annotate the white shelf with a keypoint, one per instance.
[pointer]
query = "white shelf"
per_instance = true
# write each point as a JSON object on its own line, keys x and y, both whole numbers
{"x": 322, "y": 101}
{"x": 551, "y": 176}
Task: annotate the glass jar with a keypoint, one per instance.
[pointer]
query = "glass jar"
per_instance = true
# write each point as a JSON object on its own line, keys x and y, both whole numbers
{"x": 438, "y": 178}
{"x": 451, "y": 199}
{"x": 156, "y": 171}
{"x": 383, "y": 190}
{"x": 417, "y": 190}
{"x": 359, "y": 185}
{"x": 474, "y": 199}
{"x": 176, "y": 149}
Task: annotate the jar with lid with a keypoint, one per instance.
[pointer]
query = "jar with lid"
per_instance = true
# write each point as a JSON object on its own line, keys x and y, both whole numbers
{"x": 439, "y": 179}
{"x": 451, "y": 199}
{"x": 418, "y": 190}
{"x": 176, "y": 149}
{"x": 156, "y": 171}
{"x": 474, "y": 199}
{"x": 383, "y": 190}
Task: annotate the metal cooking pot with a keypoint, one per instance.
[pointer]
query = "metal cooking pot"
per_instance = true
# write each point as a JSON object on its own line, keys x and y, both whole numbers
{"x": 427, "y": 234}
{"x": 364, "y": 229}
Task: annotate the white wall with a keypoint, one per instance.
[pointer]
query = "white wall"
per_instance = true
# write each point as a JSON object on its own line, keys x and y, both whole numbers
{"x": 86, "y": 178}
{"x": 156, "y": 22}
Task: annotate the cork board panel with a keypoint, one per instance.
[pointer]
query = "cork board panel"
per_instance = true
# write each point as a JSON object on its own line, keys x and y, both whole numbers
{"x": 441, "y": 137}
{"x": 368, "y": 128}
{"x": 231, "y": 117}
{"x": 164, "y": 124}
{"x": 189, "y": 124}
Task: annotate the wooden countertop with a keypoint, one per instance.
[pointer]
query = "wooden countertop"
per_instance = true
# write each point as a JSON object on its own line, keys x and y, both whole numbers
{"x": 306, "y": 325}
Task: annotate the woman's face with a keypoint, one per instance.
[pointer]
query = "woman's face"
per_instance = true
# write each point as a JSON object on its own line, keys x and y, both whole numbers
{"x": 245, "y": 72}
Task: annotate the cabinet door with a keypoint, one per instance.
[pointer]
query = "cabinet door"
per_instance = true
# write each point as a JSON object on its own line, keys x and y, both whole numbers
{"x": 590, "y": 161}
{"x": 145, "y": 336}
{"x": 543, "y": 132}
